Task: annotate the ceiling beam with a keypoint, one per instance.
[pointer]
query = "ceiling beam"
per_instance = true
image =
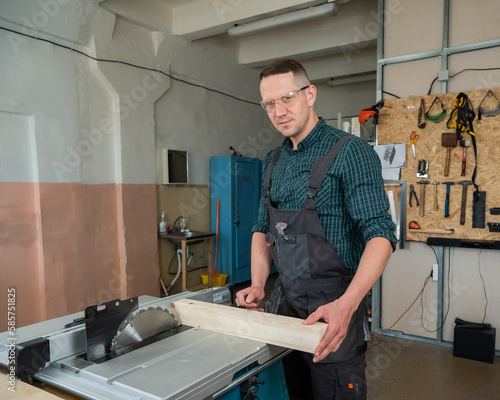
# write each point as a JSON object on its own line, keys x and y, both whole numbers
{"x": 284, "y": 20}
{"x": 351, "y": 32}
{"x": 149, "y": 14}
{"x": 197, "y": 19}
{"x": 322, "y": 69}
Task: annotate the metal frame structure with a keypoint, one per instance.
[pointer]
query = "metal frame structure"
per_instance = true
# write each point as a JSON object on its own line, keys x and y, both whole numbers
{"x": 444, "y": 53}
{"x": 376, "y": 290}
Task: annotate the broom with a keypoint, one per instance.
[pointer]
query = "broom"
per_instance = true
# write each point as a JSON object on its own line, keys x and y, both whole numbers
{"x": 216, "y": 236}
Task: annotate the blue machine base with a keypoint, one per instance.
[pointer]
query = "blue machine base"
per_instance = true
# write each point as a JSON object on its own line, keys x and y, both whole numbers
{"x": 273, "y": 388}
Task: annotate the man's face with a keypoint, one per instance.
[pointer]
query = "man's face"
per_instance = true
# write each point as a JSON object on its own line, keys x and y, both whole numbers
{"x": 295, "y": 120}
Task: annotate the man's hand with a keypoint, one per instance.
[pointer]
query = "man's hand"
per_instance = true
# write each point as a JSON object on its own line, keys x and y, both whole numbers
{"x": 250, "y": 297}
{"x": 337, "y": 315}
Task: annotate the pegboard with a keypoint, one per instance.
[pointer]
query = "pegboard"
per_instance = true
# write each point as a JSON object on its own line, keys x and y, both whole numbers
{"x": 399, "y": 118}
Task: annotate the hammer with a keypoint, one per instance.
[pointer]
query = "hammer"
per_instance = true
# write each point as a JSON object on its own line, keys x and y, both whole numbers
{"x": 464, "y": 144}
{"x": 435, "y": 195}
{"x": 448, "y": 140}
{"x": 421, "y": 210}
{"x": 447, "y": 203}
{"x": 464, "y": 199}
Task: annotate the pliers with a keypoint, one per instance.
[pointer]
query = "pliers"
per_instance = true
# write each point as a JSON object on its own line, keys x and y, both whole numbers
{"x": 413, "y": 193}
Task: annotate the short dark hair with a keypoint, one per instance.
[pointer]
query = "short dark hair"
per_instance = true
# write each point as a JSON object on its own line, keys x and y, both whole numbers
{"x": 283, "y": 66}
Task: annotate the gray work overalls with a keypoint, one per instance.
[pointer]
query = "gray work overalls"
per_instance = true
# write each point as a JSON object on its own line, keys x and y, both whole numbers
{"x": 311, "y": 273}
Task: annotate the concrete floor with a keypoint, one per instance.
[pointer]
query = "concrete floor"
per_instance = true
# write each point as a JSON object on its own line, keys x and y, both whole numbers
{"x": 398, "y": 369}
{"x": 409, "y": 370}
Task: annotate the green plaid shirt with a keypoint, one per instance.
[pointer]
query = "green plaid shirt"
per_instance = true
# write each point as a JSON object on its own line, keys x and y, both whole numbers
{"x": 351, "y": 203}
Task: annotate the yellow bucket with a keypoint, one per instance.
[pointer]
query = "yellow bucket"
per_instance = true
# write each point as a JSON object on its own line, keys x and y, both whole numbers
{"x": 219, "y": 279}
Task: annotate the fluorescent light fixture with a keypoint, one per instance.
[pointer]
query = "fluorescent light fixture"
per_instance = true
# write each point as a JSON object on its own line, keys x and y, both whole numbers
{"x": 351, "y": 79}
{"x": 281, "y": 21}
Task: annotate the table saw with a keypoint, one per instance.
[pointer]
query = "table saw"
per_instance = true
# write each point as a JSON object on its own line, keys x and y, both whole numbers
{"x": 135, "y": 349}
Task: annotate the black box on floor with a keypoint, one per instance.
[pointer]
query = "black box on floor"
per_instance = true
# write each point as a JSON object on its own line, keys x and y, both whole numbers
{"x": 474, "y": 342}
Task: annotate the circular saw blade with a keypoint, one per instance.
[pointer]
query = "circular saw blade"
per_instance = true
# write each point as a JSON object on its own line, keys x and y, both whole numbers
{"x": 141, "y": 324}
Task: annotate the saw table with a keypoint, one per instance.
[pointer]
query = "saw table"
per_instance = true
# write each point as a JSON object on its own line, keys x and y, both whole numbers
{"x": 134, "y": 349}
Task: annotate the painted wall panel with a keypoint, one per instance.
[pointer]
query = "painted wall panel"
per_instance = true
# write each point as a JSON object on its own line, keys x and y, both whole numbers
{"x": 21, "y": 266}
{"x": 473, "y": 22}
{"x": 139, "y": 265}
{"x": 18, "y": 161}
{"x": 79, "y": 226}
{"x": 402, "y": 281}
{"x": 69, "y": 105}
{"x": 54, "y": 18}
{"x": 73, "y": 257}
{"x": 412, "y": 27}
{"x": 474, "y": 80}
{"x": 412, "y": 79}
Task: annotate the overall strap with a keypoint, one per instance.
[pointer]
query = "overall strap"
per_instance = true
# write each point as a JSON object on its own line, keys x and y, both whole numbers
{"x": 269, "y": 172}
{"x": 320, "y": 168}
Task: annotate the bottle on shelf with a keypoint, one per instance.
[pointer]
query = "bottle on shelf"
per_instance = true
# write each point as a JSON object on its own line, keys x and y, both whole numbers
{"x": 163, "y": 223}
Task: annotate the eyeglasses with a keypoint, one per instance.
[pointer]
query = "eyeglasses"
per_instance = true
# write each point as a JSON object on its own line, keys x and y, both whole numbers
{"x": 286, "y": 100}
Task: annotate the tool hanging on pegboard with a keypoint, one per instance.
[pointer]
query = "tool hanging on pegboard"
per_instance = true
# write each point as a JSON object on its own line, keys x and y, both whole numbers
{"x": 366, "y": 113}
{"x": 422, "y": 169}
{"x": 461, "y": 119}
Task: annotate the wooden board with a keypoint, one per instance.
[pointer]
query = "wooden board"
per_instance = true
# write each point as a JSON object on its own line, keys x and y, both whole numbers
{"x": 395, "y": 188}
{"x": 399, "y": 118}
{"x": 264, "y": 327}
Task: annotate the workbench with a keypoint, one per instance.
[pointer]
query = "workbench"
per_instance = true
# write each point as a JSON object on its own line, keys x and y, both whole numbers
{"x": 55, "y": 355}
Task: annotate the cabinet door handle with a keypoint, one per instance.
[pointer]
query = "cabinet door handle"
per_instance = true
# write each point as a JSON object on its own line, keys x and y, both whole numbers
{"x": 236, "y": 223}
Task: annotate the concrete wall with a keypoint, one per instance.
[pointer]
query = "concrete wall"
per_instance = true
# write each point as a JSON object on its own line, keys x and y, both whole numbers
{"x": 472, "y": 274}
{"x": 345, "y": 99}
{"x": 78, "y": 205}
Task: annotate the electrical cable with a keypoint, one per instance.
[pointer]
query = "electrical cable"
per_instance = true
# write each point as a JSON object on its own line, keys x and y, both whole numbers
{"x": 408, "y": 309}
{"x": 174, "y": 257}
{"x": 484, "y": 288}
{"x": 130, "y": 65}
{"x": 390, "y": 94}
{"x": 432, "y": 248}
{"x": 451, "y": 76}
{"x": 449, "y": 301}
{"x": 459, "y": 72}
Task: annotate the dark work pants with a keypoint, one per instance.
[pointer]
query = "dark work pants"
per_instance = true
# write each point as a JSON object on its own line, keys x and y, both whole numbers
{"x": 324, "y": 381}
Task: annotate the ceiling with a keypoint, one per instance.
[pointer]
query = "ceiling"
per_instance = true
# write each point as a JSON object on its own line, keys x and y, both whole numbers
{"x": 336, "y": 48}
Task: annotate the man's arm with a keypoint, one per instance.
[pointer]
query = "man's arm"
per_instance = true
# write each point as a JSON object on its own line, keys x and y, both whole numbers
{"x": 339, "y": 312}
{"x": 250, "y": 297}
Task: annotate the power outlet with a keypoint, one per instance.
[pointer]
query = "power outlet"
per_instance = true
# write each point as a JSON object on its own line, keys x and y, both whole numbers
{"x": 435, "y": 276}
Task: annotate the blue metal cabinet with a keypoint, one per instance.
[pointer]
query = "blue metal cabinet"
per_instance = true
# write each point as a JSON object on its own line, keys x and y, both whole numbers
{"x": 236, "y": 182}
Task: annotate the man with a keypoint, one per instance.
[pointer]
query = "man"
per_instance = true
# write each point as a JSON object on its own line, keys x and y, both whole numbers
{"x": 323, "y": 221}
